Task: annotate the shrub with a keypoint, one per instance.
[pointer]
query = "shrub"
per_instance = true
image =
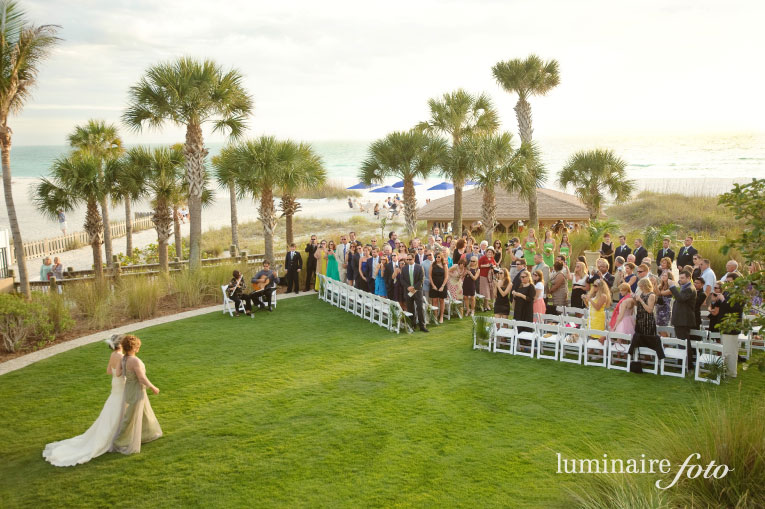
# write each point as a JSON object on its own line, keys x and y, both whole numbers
{"x": 191, "y": 288}
{"x": 57, "y": 309}
{"x": 93, "y": 301}
{"x": 21, "y": 319}
{"x": 140, "y": 296}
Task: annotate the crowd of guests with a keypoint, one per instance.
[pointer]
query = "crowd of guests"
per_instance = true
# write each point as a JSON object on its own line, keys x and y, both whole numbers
{"x": 533, "y": 275}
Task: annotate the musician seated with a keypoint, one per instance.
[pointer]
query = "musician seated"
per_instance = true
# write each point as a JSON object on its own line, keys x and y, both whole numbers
{"x": 263, "y": 285}
{"x": 236, "y": 293}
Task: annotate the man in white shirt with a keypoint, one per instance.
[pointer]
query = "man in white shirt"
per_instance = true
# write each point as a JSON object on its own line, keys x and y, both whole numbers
{"x": 484, "y": 246}
{"x": 539, "y": 264}
{"x": 343, "y": 248}
{"x": 731, "y": 268}
{"x": 708, "y": 275}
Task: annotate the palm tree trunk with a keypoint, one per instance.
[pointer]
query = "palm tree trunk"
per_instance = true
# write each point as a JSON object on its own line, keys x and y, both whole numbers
{"x": 289, "y": 207}
{"x": 489, "y": 212}
{"x": 128, "y": 226}
{"x": 18, "y": 244}
{"x": 107, "y": 229}
{"x": 195, "y": 153}
{"x": 234, "y": 218}
{"x": 177, "y": 233}
{"x": 523, "y": 116}
{"x": 410, "y": 207}
{"x": 163, "y": 224}
{"x": 95, "y": 228}
{"x": 457, "y": 220}
{"x": 267, "y": 216}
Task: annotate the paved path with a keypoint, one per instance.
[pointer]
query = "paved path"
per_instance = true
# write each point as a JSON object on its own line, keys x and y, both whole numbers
{"x": 26, "y": 360}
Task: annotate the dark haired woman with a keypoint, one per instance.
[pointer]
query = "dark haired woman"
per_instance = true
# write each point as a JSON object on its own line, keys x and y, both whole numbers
{"x": 98, "y": 438}
{"x": 139, "y": 425}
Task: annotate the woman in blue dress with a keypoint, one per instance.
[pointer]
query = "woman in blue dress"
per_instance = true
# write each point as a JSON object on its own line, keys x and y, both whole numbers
{"x": 379, "y": 277}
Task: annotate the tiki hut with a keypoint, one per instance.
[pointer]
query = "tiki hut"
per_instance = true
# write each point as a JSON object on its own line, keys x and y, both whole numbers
{"x": 553, "y": 206}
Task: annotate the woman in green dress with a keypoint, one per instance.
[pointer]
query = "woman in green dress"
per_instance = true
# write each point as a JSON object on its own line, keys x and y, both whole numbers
{"x": 564, "y": 248}
{"x": 548, "y": 245}
{"x": 530, "y": 245}
{"x": 139, "y": 424}
{"x": 333, "y": 271}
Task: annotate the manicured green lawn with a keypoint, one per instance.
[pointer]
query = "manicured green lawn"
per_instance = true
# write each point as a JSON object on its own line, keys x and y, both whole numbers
{"x": 310, "y": 406}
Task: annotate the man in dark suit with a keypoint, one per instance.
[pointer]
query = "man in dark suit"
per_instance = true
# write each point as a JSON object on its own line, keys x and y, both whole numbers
{"x": 293, "y": 262}
{"x": 665, "y": 252}
{"x": 685, "y": 256}
{"x": 683, "y": 309}
{"x": 310, "y": 264}
{"x": 413, "y": 277}
{"x": 622, "y": 249}
{"x": 640, "y": 252}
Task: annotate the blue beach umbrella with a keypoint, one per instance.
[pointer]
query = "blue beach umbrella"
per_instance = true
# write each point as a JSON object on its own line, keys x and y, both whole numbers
{"x": 443, "y": 186}
{"x": 385, "y": 189}
{"x": 471, "y": 183}
{"x": 400, "y": 183}
{"x": 360, "y": 185}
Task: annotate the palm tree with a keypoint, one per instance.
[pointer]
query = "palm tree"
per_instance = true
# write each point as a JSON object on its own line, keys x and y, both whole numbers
{"x": 158, "y": 174}
{"x": 458, "y": 115}
{"x": 528, "y": 77}
{"x": 123, "y": 188}
{"x": 189, "y": 93}
{"x": 592, "y": 174}
{"x": 22, "y": 48}
{"x": 407, "y": 155}
{"x": 75, "y": 179}
{"x": 256, "y": 167}
{"x": 303, "y": 170}
{"x": 497, "y": 163}
{"x": 103, "y": 141}
{"x": 224, "y": 176}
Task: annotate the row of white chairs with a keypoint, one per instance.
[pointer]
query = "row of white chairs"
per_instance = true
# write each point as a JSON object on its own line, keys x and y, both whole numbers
{"x": 566, "y": 339}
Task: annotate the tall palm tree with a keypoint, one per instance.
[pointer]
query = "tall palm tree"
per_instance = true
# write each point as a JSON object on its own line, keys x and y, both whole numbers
{"x": 189, "y": 93}
{"x": 256, "y": 167}
{"x": 123, "y": 188}
{"x": 459, "y": 115}
{"x": 158, "y": 174}
{"x": 75, "y": 180}
{"x": 406, "y": 155}
{"x": 528, "y": 77}
{"x": 592, "y": 174}
{"x": 101, "y": 140}
{"x": 22, "y": 48}
{"x": 303, "y": 170}
{"x": 497, "y": 163}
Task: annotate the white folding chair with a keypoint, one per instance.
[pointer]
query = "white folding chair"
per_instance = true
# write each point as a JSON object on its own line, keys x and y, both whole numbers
{"x": 358, "y": 309}
{"x": 667, "y": 330}
{"x": 448, "y": 307}
{"x": 428, "y": 306}
{"x": 479, "y": 344}
{"x": 503, "y": 334}
{"x": 548, "y": 338}
{"x": 675, "y": 361}
{"x": 553, "y": 319}
{"x": 321, "y": 282}
{"x": 327, "y": 289}
{"x": 228, "y": 304}
{"x": 384, "y": 312}
{"x": 595, "y": 352}
{"x": 714, "y": 337}
{"x": 525, "y": 340}
{"x": 369, "y": 308}
{"x": 708, "y": 355}
{"x": 699, "y": 335}
{"x": 618, "y": 351}
{"x": 572, "y": 343}
{"x": 653, "y": 359}
{"x": 335, "y": 292}
{"x": 403, "y": 315}
{"x": 745, "y": 344}
{"x": 758, "y": 341}
{"x": 577, "y": 311}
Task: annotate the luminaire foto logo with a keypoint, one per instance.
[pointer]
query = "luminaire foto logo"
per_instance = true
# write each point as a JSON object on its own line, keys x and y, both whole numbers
{"x": 690, "y": 467}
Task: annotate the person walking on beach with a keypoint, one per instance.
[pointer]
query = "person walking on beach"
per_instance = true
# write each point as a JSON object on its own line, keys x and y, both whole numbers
{"x": 61, "y": 221}
{"x": 310, "y": 264}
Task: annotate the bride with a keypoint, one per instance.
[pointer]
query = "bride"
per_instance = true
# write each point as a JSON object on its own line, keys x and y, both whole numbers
{"x": 98, "y": 438}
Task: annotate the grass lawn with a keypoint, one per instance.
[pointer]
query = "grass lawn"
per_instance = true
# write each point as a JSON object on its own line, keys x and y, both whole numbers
{"x": 310, "y": 406}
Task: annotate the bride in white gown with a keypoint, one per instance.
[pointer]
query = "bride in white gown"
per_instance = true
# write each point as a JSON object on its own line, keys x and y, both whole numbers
{"x": 98, "y": 438}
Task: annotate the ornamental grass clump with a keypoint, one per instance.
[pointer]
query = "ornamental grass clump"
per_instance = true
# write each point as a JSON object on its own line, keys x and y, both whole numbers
{"x": 93, "y": 300}
{"x": 141, "y": 296}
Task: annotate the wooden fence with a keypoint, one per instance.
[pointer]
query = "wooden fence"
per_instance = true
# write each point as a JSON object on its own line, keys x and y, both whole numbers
{"x": 62, "y": 243}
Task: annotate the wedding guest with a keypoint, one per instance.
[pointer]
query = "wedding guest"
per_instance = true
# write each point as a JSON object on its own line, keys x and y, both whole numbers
{"x": 566, "y": 272}
{"x": 497, "y": 252}
{"x": 596, "y": 301}
{"x": 645, "y": 300}
{"x": 431, "y": 243}
{"x": 631, "y": 259}
{"x": 601, "y": 272}
{"x": 664, "y": 299}
{"x": 321, "y": 257}
{"x": 629, "y": 277}
{"x": 664, "y": 264}
{"x": 365, "y": 268}
{"x": 139, "y": 424}
{"x": 698, "y": 284}
{"x": 665, "y": 251}
{"x": 454, "y": 283}
{"x": 539, "y": 264}
{"x": 564, "y": 248}
{"x": 392, "y": 237}
{"x": 683, "y": 313}
{"x": 350, "y": 271}
{"x": 45, "y": 269}
{"x": 622, "y": 249}
{"x": 697, "y": 259}
{"x": 380, "y": 287}
{"x": 730, "y": 342}
{"x": 530, "y": 246}
{"x": 639, "y": 252}
{"x": 427, "y": 261}
{"x": 447, "y": 241}
{"x": 310, "y": 264}
{"x": 558, "y": 285}
{"x": 486, "y": 264}
{"x": 342, "y": 249}
{"x": 374, "y": 260}
{"x": 580, "y": 285}
{"x": 618, "y": 276}
{"x": 607, "y": 250}
{"x": 468, "y": 287}
{"x": 642, "y": 272}
{"x": 413, "y": 276}
{"x": 538, "y": 307}
{"x": 715, "y": 303}
{"x": 523, "y": 298}
{"x": 548, "y": 248}
{"x": 708, "y": 275}
{"x": 731, "y": 267}
{"x": 236, "y": 292}
{"x": 502, "y": 302}
{"x": 685, "y": 255}
{"x": 436, "y": 234}
{"x": 623, "y": 318}
{"x": 515, "y": 251}
{"x": 352, "y": 237}
{"x": 437, "y": 275}
{"x": 334, "y": 262}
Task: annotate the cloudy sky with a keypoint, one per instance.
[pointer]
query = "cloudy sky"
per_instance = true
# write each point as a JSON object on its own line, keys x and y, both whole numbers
{"x": 324, "y": 70}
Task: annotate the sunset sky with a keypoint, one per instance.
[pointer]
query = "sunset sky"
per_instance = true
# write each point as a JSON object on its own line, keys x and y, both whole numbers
{"x": 357, "y": 70}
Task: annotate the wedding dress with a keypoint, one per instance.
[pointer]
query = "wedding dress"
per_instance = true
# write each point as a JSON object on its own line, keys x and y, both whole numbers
{"x": 98, "y": 438}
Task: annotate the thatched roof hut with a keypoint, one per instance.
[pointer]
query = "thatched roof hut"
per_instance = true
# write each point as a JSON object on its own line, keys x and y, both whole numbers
{"x": 552, "y": 206}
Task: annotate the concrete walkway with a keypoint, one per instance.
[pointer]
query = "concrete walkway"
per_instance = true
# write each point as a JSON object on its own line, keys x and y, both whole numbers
{"x": 26, "y": 360}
